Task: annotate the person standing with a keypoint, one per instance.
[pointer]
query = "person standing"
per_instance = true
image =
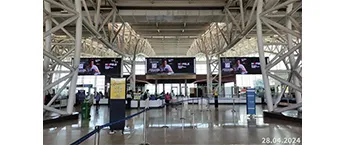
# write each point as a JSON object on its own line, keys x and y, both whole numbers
{"x": 215, "y": 94}
{"x": 129, "y": 98}
{"x": 102, "y": 96}
{"x": 98, "y": 98}
{"x": 167, "y": 98}
{"x": 172, "y": 94}
{"x": 53, "y": 93}
{"x": 146, "y": 94}
{"x": 47, "y": 98}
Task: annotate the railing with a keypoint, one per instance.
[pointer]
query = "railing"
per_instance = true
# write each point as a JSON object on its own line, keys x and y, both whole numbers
{"x": 97, "y": 129}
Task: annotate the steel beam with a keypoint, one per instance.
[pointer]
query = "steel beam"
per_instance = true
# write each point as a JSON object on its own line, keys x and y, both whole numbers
{"x": 58, "y": 92}
{"x": 252, "y": 13}
{"x": 57, "y": 82}
{"x": 96, "y": 18}
{"x": 281, "y": 27}
{"x": 48, "y": 26}
{"x": 291, "y": 56}
{"x": 220, "y": 90}
{"x": 105, "y": 42}
{"x": 62, "y": 6}
{"x": 106, "y": 19}
{"x": 274, "y": 30}
{"x": 61, "y": 25}
{"x": 54, "y": 110}
{"x": 208, "y": 75}
{"x": 63, "y": 29}
{"x": 290, "y": 107}
{"x": 57, "y": 60}
{"x": 242, "y": 13}
{"x": 282, "y": 5}
{"x": 262, "y": 57}
{"x": 233, "y": 20}
{"x": 297, "y": 88}
{"x": 87, "y": 11}
{"x": 290, "y": 51}
{"x": 76, "y": 59}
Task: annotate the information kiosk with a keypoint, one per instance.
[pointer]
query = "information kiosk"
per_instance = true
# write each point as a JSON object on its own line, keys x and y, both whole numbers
{"x": 117, "y": 103}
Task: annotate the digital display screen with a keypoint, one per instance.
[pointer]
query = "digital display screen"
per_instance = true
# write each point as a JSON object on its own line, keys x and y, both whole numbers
{"x": 100, "y": 66}
{"x": 170, "y": 65}
{"x": 241, "y": 65}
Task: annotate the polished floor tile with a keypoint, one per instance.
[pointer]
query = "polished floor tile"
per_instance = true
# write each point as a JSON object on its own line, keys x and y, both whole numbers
{"x": 187, "y": 125}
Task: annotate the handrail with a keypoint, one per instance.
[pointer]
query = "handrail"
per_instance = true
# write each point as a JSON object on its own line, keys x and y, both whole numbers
{"x": 85, "y": 137}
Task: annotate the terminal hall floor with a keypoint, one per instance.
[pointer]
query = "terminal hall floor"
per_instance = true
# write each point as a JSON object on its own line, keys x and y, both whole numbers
{"x": 204, "y": 127}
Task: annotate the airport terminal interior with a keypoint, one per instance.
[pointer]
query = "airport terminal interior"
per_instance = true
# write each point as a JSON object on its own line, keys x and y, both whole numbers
{"x": 172, "y": 72}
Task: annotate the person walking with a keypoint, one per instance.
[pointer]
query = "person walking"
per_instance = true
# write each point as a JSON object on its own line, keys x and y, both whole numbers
{"x": 167, "y": 98}
{"x": 98, "y": 98}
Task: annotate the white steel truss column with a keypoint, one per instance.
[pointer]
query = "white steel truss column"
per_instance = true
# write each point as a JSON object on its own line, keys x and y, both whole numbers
{"x": 48, "y": 26}
{"x": 133, "y": 77}
{"x": 262, "y": 56}
{"x": 291, "y": 56}
{"x": 208, "y": 76}
{"x": 220, "y": 88}
{"x": 58, "y": 52}
{"x": 76, "y": 59}
{"x": 110, "y": 43}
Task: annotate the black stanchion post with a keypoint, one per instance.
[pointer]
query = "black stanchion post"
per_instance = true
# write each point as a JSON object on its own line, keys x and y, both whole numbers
{"x": 216, "y": 101}
{"x": 97, "y": 135}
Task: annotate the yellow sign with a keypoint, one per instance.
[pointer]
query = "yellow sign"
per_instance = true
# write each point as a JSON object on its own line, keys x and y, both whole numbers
{"x": 117, "y": 88}
{"x": 137, "y": 96}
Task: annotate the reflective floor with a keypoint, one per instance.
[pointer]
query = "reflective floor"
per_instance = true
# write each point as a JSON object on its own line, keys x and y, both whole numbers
{"x": 187, "y": 125}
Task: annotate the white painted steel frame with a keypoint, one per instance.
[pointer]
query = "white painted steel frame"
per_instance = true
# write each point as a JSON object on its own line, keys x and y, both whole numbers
{"x": 289, "y": 42}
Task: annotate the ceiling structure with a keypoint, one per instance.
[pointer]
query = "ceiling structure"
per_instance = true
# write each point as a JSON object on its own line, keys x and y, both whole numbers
{"x": 170, "y": 27}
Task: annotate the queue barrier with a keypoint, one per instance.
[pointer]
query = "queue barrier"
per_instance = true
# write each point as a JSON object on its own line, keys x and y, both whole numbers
{"x": 98, "y": 128}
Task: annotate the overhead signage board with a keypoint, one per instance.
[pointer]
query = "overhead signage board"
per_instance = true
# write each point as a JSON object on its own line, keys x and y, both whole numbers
{"x": 185, "y": 65}
{"x": 241, "y": 65}
{"x": 100, "y": 66}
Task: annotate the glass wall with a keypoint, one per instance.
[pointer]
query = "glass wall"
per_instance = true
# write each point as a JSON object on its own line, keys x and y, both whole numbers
{"x": 169, "y": 87}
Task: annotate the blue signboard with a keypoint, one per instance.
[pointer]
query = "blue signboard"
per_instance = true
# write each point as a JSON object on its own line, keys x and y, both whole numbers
{"x": 251, "y": 109}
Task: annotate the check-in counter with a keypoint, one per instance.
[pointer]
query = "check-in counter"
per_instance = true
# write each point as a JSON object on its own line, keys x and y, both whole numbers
{"x": 241, "y": 100}
{"x": 152, "y": 103}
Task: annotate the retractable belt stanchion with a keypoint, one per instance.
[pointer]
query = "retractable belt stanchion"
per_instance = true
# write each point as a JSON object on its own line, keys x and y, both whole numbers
{"x": 201, "y": 103}
{"x": 145, "y": 122}
{"x": 193, "y": 111}
{"x": 97, "y": 135}
{"x": 165, "y": 117}
{"x": 233, "y": 101}
{"x": 182, "y": 114}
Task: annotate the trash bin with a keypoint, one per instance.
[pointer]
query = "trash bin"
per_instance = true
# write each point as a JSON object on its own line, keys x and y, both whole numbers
{"x": 85, "y": 109}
